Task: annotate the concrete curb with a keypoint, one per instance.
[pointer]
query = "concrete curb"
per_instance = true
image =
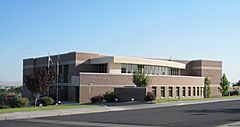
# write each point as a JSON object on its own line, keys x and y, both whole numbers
{"x": 49, "y": 113}
{"x": 63, "y": 112}
{"x": 234, "y": 124}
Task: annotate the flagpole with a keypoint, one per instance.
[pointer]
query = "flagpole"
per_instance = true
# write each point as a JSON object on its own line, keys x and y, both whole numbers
{"x": 57, "y": 76}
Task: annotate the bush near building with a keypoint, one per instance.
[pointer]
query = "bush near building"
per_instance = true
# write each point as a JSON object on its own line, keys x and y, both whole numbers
{"x": 110, "y": 97}
{"x": 149, "y": 97}
{"x": 12, "y": 101}
{"x": 97, "y": 99}
{"x": 8, "y": 101}
{"x": 22, "y": 102}
{"x": 43, "y": 101}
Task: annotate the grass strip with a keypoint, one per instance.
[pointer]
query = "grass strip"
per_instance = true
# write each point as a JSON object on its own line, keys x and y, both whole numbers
{"x": 50, "y": 107}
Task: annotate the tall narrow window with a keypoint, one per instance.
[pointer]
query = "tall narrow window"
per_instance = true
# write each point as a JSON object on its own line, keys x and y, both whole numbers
{"x": 184, "y": 91}
{"x": 135, "y": 68}
{"x": 102, "y": 68}
{"x": 154, "y": 90}
{"x": 162, "y": 91}
{"x": 123, "y": 68}
{"x": 129, "y": 68}
{"x": 153, "y": 70}
{"x": 194, "y": 91}
{"x": 170, "y": 91}
{"x": 65, "y": 73}
{"x": 189, "y": 91}
{"x": 157, "y": 71}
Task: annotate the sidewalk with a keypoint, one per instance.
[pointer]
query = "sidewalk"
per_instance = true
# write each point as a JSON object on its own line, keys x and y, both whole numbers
{"x": 101, "y": 108}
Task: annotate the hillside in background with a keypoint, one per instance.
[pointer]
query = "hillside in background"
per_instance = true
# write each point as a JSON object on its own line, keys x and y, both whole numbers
{"x": 8, "y": 83}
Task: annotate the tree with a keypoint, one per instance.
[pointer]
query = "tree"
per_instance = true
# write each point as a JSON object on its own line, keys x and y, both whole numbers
{"x": 224, "y": 85}
{"x": 47, "y": 78}
{"x": 18, "y": 90}
{"x": 39, "y": 82}
{"x": 33, "y": 85}
{"x": 207, "y": 88}
{"x": 141, "y": 79}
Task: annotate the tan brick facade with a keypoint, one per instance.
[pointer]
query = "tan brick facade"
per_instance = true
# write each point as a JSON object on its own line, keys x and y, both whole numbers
{"x": 86, "y": 80}
{"x": 98, "y": 84}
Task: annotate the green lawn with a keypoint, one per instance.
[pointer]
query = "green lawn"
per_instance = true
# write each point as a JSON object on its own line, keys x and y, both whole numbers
{"x": 51, "y": 107}
{"x": 192, "y": 99}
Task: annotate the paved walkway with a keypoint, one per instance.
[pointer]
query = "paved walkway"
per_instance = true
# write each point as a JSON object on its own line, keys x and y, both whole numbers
{"x": 106, "y": 108}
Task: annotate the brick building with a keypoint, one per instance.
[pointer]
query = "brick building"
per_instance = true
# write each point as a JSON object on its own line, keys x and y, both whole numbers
{"x": 83, "y": 75}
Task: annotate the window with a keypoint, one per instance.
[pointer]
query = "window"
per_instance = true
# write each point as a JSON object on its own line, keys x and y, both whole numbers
{"x": 149, "y": 70}
{"x": 123, "y": 68}
{"x": 194, "y": 91}
{"x": 163, "y": 71}
{"x": 153, "y": 70}
{"x": 184, "y": 91}
{"x": 102, "y": 68}
{"x": 157, "y": 70}
{"x": 65, "y": 73}
{"x": 60, "y": 74}
{"x": 135, "y": 68}
{"x": 189, "y": 91}
{"x": 129, "y": 68}
{"x": 140, "y": 67}
{"x": 162, "y": 91}
{"x": 154, "y": 90}
{"x": 170, "y": 91}
{"x": 178, "y": 91}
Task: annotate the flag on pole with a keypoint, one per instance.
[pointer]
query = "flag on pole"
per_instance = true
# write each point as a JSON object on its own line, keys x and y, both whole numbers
{"x": 50, "y": 61}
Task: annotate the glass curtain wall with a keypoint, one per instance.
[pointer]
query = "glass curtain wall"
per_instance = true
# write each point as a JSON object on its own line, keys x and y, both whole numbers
{"x": 152, "y": 70}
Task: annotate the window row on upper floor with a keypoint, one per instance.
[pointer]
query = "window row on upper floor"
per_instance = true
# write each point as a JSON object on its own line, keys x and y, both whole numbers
{"x": 148, "y": 69}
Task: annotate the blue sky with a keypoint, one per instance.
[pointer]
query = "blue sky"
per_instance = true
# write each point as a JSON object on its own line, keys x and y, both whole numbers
{"x": 183, "y": 29}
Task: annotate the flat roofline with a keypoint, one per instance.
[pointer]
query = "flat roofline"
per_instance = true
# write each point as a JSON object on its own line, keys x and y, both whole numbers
{"x": 138, "y": 61}
{"x": 206, "y": 60}
{"x": 40, "y": 57}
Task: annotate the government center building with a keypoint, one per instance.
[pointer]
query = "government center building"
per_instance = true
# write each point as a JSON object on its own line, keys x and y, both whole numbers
{"x": 84, "y": 75}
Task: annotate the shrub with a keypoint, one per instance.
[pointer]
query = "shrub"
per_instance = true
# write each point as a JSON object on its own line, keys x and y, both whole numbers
{"x": 22, "y": 102}
{"x": 4, "y": 106}
{"x": 149, "y": 97}
{"x": 47, "y": 101}
{"x": 97, "y": 99}
{"x": 110, "y": 97}
{"x": 234, "y": 92}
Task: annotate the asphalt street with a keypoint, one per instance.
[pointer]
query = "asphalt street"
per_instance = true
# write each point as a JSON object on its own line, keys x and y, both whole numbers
{"x": 196, "y": 115}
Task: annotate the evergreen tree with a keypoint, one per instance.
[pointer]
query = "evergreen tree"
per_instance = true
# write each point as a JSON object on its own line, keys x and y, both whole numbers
{"x": 207, "y": 88}
{"x": 224, "y": 85}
